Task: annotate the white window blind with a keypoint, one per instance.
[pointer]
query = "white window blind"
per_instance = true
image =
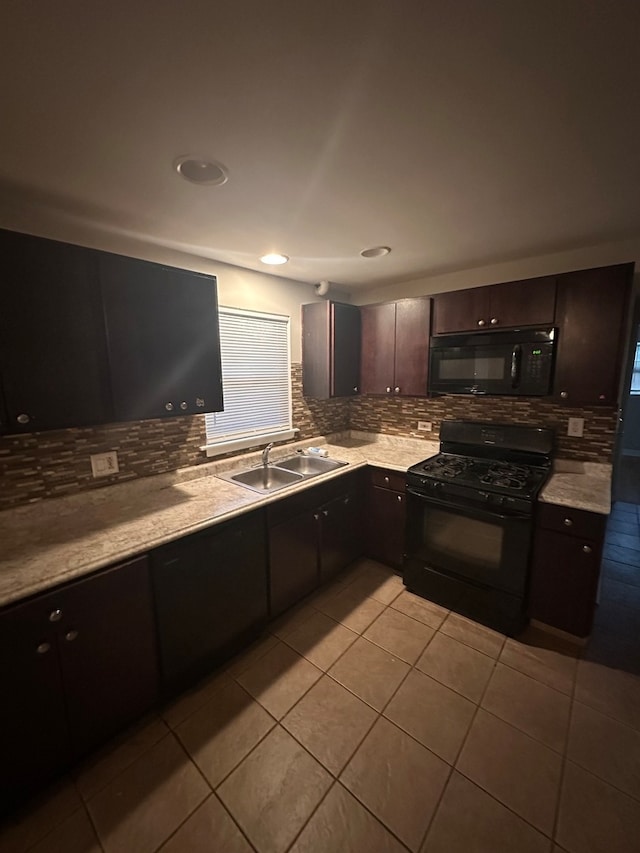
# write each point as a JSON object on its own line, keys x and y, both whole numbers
{"x": 635, "y": 375}
{"x": 256, "y": 377}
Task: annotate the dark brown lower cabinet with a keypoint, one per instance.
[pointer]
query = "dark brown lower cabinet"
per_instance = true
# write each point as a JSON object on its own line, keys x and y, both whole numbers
{"x": 565, "y": 568}
{"x": 76, "y": 665}
{"x": 210, "y": 592}
{"x": 312, "y": 536}
{"x": 341, "y": 539}
{"x": 386, "y": 517}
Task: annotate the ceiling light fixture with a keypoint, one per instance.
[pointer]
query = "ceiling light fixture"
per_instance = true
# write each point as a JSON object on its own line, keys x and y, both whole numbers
{"x": 200, "y": 171}
{"x": 274, "y": 259}
{"x": 375, "y": 252}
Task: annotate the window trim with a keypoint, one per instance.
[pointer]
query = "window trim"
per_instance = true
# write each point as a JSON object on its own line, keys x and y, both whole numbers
{"x": 257, "y": 439}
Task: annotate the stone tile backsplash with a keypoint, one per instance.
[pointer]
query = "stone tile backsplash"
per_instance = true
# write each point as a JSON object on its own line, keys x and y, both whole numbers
{"x": 400, "y": 416}
{"x": 49, "y": 464}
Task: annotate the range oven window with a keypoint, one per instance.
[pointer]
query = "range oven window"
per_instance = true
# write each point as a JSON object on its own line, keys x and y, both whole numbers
{"x": 452, "y": 539}
{"x": 478, "y": 545}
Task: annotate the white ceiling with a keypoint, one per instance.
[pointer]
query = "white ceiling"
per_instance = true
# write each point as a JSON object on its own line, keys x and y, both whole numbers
{"x": 458, "y": 133}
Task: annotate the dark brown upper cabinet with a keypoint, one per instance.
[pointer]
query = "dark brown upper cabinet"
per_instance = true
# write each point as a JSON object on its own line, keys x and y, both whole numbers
{"x": 53, "y": 359}
{"x": 592, "y": 316}
{"x": 88, "y": 338}
{"x": 517, "y": 303}
{"x": 330, "y": 350}
{"x": 395, "y": 347}
{"x": 162, "y": 339}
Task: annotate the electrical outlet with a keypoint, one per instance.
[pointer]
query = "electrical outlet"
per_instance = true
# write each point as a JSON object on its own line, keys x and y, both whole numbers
{"x": 576, "y": 427}
{"x": 104, "y": 464}
{"x": 425, "y": 426}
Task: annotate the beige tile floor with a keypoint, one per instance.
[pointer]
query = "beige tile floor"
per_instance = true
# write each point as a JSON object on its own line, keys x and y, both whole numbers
{"x": 371, "y": 720}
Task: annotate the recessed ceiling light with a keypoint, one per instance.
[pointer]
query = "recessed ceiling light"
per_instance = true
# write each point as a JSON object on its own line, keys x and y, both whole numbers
{"x": 274, "y": 259}
{"x": 200, "y": 171}
{"x": 375, "y": 252}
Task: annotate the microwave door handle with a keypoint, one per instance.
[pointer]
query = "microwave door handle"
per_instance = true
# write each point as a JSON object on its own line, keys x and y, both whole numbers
{"x": 516, "y": 365}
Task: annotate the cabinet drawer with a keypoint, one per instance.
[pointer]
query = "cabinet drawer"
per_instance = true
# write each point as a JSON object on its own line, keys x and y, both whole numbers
{"x": 388, "y": 479}
{"x": 573, "y": 522}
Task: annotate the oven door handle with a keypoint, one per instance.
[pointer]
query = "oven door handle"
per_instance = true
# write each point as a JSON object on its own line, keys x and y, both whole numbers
{"x": 474, "y": 511}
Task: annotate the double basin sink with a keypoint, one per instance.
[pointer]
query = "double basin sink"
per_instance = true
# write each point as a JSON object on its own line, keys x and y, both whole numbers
{"x": 278, "y": 475}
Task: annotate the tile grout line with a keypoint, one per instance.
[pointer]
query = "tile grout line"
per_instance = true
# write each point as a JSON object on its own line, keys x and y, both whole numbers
{"x": 458, "y": 753}
{"x": 563, "y": 766}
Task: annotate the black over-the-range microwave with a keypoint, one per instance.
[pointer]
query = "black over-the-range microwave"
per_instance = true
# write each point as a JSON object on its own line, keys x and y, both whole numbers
{"x": 515, "y": 361}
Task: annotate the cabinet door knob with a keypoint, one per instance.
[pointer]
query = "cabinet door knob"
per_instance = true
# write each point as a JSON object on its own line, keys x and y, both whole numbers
{"x": 567, "y": 522}
{"x": 355, "y": 388}
{"x": 200, "y": 402}
{"x": 43, "y": 648}
{"x": 388, "y": 389}
{"x": 316, "y": 516}
{"x": 55, "y": 616}
{"x": 494, "y": 321}
{"x": 183, "y": 406}
{"x": 564, "y": 394}
{"x": 602, "y": 397}
{"x": 23, "y": 419}
{"x": 168, "y": 407}
{"x": 399, "y": 498}
{"x": 587, "y": 549}
{"x": 346, "y": 500}
{"x": 325, "y": 512}
{"x": 386, "y": 479}
{"x": 70, "y": 636}
{"x": 397, "y": 389}
{"x": 481, "y": 323}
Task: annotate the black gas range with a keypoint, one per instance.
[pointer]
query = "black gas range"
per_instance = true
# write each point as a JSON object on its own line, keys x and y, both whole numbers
{"x": 470, "y": 519}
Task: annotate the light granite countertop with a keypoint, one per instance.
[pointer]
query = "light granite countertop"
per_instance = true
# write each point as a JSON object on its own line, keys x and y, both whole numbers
{"x": 54, "y": 541}
{"x": 580, "y": 485}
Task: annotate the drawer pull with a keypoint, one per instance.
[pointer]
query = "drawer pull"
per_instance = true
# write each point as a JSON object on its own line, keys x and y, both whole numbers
{"x": 386, "y": 479}
{"x": 587, "y": 549}
{"x": 400, "y": 498}
{"x": 43, "y": 648}
{"x": 55, "y": 616}
{"x": 567, "y": 522}
{"x": 70, "y": 636}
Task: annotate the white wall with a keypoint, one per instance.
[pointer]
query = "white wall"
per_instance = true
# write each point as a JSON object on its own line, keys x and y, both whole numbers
{"x": 594, "y": 256}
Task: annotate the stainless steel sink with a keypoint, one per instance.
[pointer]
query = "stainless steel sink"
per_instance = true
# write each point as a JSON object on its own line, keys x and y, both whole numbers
{"x": 267, "y": 479}
{"x": 279, "y": 475}
{"x": 310, "y": 465}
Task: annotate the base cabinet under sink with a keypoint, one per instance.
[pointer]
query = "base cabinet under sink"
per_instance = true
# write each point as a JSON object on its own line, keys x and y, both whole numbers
{"x": 312, "y": 536}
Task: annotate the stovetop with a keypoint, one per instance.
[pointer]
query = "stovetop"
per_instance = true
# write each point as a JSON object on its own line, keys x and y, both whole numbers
{"x": 499, "y": 466}
{"x": 484, "y": 475}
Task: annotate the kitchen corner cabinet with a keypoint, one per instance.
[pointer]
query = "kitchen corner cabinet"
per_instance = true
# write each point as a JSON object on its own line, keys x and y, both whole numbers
{"x": 162, "y": 339}
{"x": 518, "y": 303}
{"x": 565, "y": 567}
{"x": 76, "y": 665}
{"x": 210, "y": 592}
{"x": 386, "y": 516}
{"x": 53, "y": 359}
{"x": 591, "y": 316}
{"x": 395, "y": 347}
{"x": 312, "y": 536}
{"x": 330, "y": 350}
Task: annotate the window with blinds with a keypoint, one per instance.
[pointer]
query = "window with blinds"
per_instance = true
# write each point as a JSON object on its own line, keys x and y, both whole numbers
{"x": 256, "y": 380}
{"x": 635, "y": 375}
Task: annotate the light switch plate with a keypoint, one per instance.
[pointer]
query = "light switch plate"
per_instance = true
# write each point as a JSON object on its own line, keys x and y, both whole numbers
{"x": 104, "y": 464}
{"x": 576, "y": 427}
